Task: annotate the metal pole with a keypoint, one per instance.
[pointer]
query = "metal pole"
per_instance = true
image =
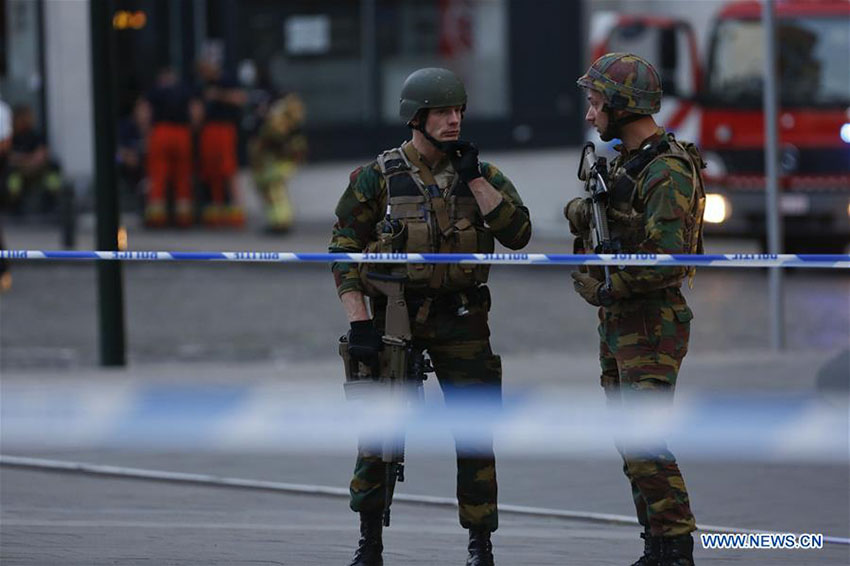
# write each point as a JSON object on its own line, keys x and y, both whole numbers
{"x": 109, "y": 284}
{"x": 369, "y": 63}
{"x": 199, "y": 12}
{"x": 175, "y": 37}
{"x": 771, "y": 177}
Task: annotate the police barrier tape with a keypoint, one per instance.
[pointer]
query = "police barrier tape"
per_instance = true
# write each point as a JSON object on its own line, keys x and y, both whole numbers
{"x": 832, "y": 261}
{"x": 306, "y": 416}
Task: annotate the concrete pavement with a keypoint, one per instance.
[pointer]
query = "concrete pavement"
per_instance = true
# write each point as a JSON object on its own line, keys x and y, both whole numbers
{"x": 249, "y": 327}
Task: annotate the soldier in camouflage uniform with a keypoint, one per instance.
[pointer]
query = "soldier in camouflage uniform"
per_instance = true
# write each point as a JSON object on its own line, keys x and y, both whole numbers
{"x": 656, "y": 204}
{"x": 430, "y": 195}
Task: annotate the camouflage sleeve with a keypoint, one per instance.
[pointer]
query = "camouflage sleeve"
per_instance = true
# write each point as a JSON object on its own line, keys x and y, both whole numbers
{"x": 358, "y": 211}
{"x": 667, "y": 190}
{"x": 510, "y": 220}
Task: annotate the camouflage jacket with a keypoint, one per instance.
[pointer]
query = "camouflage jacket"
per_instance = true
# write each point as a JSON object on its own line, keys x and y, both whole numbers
{"x": 364, "y": 204}
{"x": 663, "y": 216}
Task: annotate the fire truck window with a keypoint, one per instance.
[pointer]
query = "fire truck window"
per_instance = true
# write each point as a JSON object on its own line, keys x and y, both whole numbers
{"x": 812, "y": 62}
{"x": 667, "y": 48}
{"x": 668, "y": 61}
{"x": 685, "y": 78}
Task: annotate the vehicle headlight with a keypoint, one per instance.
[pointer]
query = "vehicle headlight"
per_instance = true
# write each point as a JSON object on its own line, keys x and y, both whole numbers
{"x": 714, "y": 166}
{"x": 845, "y": 133}
{"x": 717, "y": 208}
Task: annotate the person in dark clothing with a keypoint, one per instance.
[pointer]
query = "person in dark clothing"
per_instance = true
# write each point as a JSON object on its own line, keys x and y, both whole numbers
{"x": 5, "y": 145}
{"x": 34, "y": 180}
{"x": 133, "y": 131}
{"x": 169, "y": 159}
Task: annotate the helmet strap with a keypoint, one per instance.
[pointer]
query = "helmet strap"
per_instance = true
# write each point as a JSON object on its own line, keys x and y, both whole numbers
{"x": 445, "y": 147}
{"x": 615, "y": 124}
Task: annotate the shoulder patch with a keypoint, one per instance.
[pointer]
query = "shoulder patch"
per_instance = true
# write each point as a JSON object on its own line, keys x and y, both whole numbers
{"x": 364, "y": 172}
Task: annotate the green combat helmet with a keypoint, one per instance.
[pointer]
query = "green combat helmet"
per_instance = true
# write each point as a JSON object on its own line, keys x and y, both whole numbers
{"x": 431, "y": 87}
{"x": 626, "y": 81}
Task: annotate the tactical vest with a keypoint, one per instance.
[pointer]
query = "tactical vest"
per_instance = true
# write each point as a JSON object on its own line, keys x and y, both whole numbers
{"x": 422, "y": 218}
{"x": 626, "y": 215}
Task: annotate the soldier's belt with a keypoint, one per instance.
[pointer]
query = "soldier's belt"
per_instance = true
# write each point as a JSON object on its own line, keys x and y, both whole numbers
{"x": 472, "y": 297}
{"x": 456, "y": 302}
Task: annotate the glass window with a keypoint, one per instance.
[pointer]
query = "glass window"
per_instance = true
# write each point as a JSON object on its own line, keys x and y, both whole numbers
{"x": 467, "y": 36}
{"x": 667, "y": 48}
{"x": 313, "y": 48}
{"x": 811, "y": 71}
{"x": 20, "y": 75}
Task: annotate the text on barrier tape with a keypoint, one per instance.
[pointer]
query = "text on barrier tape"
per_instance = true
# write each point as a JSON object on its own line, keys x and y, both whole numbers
{"x": 833, "y": 261}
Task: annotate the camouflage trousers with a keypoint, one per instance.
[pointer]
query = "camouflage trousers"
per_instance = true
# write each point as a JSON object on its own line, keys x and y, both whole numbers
{"x": 642, "y": 344}
{"x": 468, "y": 371}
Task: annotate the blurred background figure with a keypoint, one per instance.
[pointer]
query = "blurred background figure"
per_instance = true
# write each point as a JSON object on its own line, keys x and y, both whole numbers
{"x": 33, "y": 181}
{"x": 133, "y": 132}
{"x": 223, "y": 101}
{"x": 275, "y": 154}
{"x": 5, "y": 145}
{"x": 169, "y": 159}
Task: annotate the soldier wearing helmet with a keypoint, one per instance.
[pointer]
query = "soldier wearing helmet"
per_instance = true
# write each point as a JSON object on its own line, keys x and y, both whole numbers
{"x": 656, "y": 202}
{"x": 431, "y": 195}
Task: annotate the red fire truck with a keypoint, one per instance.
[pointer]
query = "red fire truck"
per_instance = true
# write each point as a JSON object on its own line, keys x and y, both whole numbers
{"x": 718, "y": 103}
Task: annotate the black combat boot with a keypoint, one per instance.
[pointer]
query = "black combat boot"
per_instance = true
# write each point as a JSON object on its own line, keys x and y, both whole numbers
{"x": 677, "y": 551}
{"x": 651, "y": 550}
{"x": 371, "y": 546}
{"x": 480, "y": 548}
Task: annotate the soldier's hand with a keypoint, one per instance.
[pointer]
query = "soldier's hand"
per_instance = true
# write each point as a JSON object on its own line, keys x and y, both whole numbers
{"x": 591, "y": 290}
{"x": 578, "y": 213}
{"x": 464, "y": 158}
{"x": 365, "y": 343}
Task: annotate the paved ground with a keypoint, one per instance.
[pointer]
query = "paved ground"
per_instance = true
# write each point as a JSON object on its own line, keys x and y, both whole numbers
{"x": 51, "y": 518}
{"x": 77, "y": 520}
{"x": 255, "y": 325}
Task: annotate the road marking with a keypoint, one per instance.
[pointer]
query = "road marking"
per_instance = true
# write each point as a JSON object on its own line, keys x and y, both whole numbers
{"x": 307, "y": 489}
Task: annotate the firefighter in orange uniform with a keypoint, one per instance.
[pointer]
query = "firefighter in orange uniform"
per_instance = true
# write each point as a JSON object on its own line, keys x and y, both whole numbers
{"x": 224, "y": 99}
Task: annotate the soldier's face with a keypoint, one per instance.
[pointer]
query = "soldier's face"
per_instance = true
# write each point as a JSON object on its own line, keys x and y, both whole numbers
{"x": 444, "y": 123}
{"x": 595, "y": 116}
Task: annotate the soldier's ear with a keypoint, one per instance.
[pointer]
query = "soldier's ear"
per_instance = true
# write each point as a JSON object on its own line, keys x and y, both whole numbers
{"x": 614, "y": 115}
{"x": 420, "y": 118}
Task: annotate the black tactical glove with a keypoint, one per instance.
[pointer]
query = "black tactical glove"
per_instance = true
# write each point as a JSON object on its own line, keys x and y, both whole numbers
{"x": 592, "y": 290}
{"x": 364, "y": 343}
{"x": 464, "y": 158}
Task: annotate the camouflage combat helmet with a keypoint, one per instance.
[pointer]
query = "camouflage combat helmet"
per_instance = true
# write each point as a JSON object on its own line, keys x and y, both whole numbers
{"x": 431, "y": 87}
{"x": 626, "y": 81}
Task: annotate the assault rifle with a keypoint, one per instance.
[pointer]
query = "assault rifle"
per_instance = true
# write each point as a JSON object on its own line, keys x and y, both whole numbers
{"x": 401, "y": 371}
{"x": 594, "y": 172}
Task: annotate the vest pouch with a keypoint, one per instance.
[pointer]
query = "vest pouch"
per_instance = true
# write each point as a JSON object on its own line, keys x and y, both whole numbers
{"x": 486, "y": 245}
{"x": 459, "y": 276}
{"x": 382, "y": 245}
{"x": 419, "y": 241}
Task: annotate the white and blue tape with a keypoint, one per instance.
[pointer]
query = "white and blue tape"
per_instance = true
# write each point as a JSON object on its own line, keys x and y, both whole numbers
{"x": 831, "y": 261}
{"x": 270, "y": 415}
